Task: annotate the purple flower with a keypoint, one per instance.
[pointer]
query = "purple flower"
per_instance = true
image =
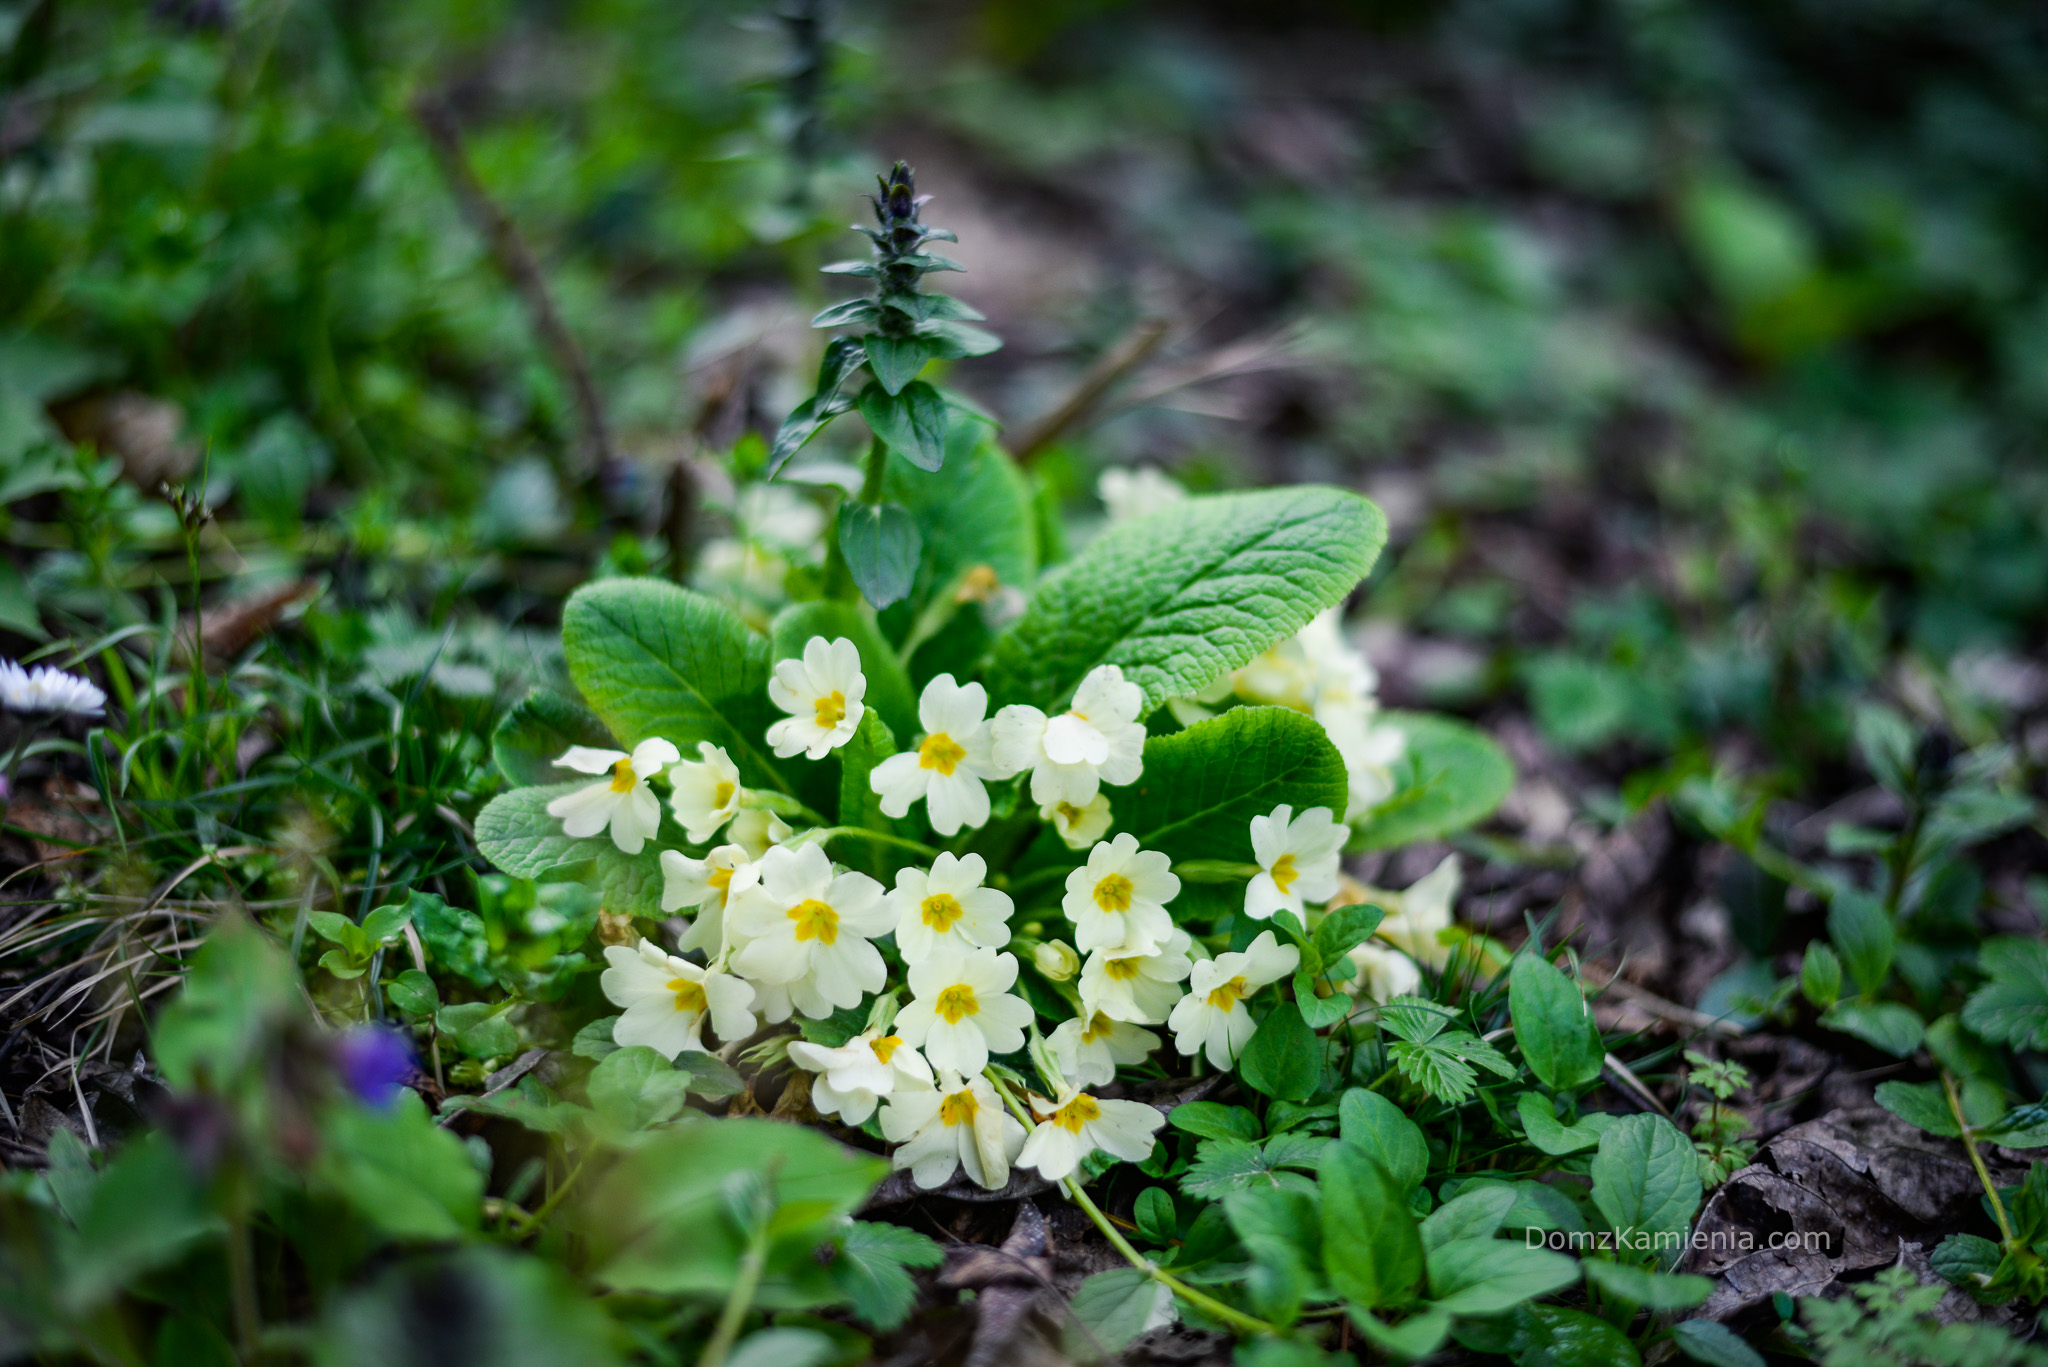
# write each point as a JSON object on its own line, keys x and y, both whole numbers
{"x": 374, "y": 1062}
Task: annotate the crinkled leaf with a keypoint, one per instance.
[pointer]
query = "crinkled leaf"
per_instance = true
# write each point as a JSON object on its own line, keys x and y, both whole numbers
{"x": 2013, "y": 1007}
{"x": 1646, "y": 1178}
{"x": 1227, "y": 1165}
{"x": 1202, "y": 786}
{"x": 518, "y": 836}
{"x": 538, "y": 730}
{"x": 870, "y": 1269}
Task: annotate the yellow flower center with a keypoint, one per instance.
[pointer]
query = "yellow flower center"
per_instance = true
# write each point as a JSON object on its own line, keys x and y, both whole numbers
{"x": 886, "y": 1046}
{"x": 1097, "y": 1027}
{"x": 958, "y": 1108}
{"x": 1070, "y": 814}
{"x": 689, "y": 994}
{"x": 1076, "y": 1113}
{"x": 956, "y": 1002}
{"x": 941, "y": 752}
{"x": 623, "y": 778}
{"x": 1113, "y": 893}
{"x": 815, "y": 921}
{"x": 1284, "y": 873}
{"x": 941, "y": 910}
{"x": 722, "y": 795}
{"x": 1122, "y": 970}
{"x": 978, "y": 585}
{"x": 721, "y": 881}
{"x": 831, "y": 709}
{"x": 1230, "y": 994}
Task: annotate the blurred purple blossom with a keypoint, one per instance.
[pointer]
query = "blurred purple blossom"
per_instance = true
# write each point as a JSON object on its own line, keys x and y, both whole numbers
{"x": 374, "y": 1062}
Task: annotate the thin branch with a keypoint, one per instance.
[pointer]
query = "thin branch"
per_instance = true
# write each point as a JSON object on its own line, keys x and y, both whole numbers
{"x": 1130, "y": 351}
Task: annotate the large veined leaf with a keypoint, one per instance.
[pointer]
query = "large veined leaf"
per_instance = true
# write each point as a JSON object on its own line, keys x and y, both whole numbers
{"x": 656, "y": 660}
{"x": 1451, "y": 776}
{"x": 1646, "y": 1181}
{"x": 974, "y": 511}
{"x": 1202, "y": 786}
{"x": 1178, "y": 597}
{"x": 1372, "y": 1251}
{"x": 518, "y": 836}
{"x": 538, "y": 729}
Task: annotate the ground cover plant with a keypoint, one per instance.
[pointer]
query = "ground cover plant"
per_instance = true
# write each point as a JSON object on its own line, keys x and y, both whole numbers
{"x": 1426, "y": 744}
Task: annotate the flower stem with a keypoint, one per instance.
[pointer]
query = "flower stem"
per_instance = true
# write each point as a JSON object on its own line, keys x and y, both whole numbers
{"x": 875, "y": 837}
{"x": 746, "y": 1281}
{"x": 540, "y": 1213}
{"x": 1955, "y": 1107}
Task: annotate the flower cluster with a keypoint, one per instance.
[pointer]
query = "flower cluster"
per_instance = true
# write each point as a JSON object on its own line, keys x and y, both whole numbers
{"x": 785, "y": 932}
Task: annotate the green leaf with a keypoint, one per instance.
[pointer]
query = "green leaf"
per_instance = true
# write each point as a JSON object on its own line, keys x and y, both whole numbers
{"x": 1372, "y": 1253}
{"x": 384, "y": 925}
{"x": 454, "y": 938}
{"x": 842, "y": 357}
{"x": 1345, "y": 928}
{"x": 1863, "y": 933}
{"x": 2013, "y": 1007}
{"x": 1966, "y": 1260}
{"x": 1214, "y": 1120}
{"x": 889, "y": 691}
{"x": 1222, "y": 1166}
{"x": 1889, "y": 1026}
{"x": 594, "y": 1040}
{"x": 1645, "y": 1289}
{"x": 656, "y": 660}
{"x": 976, "y": 511}
{"x": 895, "y": 361}
{"x": 1920, "y": 1104}
{"x": 1553, "y": 1026}
{"x": 1551, "y": 1336}
{"x": 538, "y": 730}
{"x": 1283, "y": 1058}
{"x": 1646, "y": 1178}
{"x": 1282, "y": 1234}
{"x": 1551, "y": 1135}
{"x": 870, "y": 1270}
{"x": 1715, "y": 1344}
{"x": 1450, "y": 776}
{"x": 783, "y": 1346}
{"x": 1380, "y": 1128}
{"x": 1488, "y": 1276}
{"x": 1202, "y": 786}
{"x": 1183, "y": 595}
{"x": 880, "y": 545}
{"x": 1319, "y": 1012}
{"x": 1820, "y": 975}
{"x": 1414, "y": 1338}
{"x": 238, "y": 995}
{"x": 1112, "y": 1308}
{"x": 635, "y": 1087}
{"x": 1885, "y": 741}
{"x": 1156, "y": 1219}
{"x": 145, "y": 1211}
{"x": 403, "y": 1173}
{"x": 477, "y": 1030}
{"x": 1474, "y": 1213}
{"x": 338, "y": 929}
{"x": 337, "y": 963}
{"x": 911, "y": 423}
{"x": 518, "y": 836}
{"x": 414, "y": 993}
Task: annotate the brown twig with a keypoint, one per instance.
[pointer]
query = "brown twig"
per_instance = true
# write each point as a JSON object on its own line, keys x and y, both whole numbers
{"x": 1130, "y": 351}
{"x": 516, "y": 260}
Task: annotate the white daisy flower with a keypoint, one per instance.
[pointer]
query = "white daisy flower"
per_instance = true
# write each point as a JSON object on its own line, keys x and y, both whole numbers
{"x": 47, "y": 690}
{"x": 1129, "y": 493}
{"x": 668, "y": 1000}
{"x": 1089, "y": 1051}
{"x": 1081, "y": 1124}
{"x": 962, "y": 1010}
{"x": 1097, "y": 740}
{"x": 853, "y": 1077}
{"x": 1416, "y": 916}
{"x": 1382, "y": 974}
{"x": 1142, "y": 988}
{"x": 1212, "y": 1015}
{"x": 624, "y": 802}
{"x": 950, "y": 764}
{"x": 808, "y": 929}
{"x": 954, "y": 1126}
{"x": 947, "y": 907}
{"x": 1078, "y": 827}
{"x": 705, "y": 793}
{"x": 1297, "y": 857}
{"x": 1118, "y": 898}
{"x": 822, "y": 693}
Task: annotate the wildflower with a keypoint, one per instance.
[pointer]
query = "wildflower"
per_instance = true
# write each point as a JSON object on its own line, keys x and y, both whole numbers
{"x": 1090, "y": 1049}
{"x": 374, "y": 1062}
{"x": 1212, "y": 1015}
{"x": 1297, "y": 857}
{"x": 1097, "y": 740}
{"x": 705, "y": 793}
{"x": 808, "y": 930}
{"x": 707, "y": 885}
{"x": 1081, "y": 1124}
{"x": 47, "y": 690}
{"x": 853, "y": 1077}
{"x": 961, "y": 1008}
{"x": 624, "y": 802}
{"x": 1417, "y": 917}
{"x": 948, "y": 908}
{"x": 1056, "y": 960}
{"x": 1129, "y": 493}
{"x": 1142, "y": 988}
{"x": 949, "y": 765}
{"x": 822, "y": 693}
{"x": 959, "y": 1124}
{"x": 1383, "y": 973}
{"x": 1078, "y": 827}
{"x": 667, "y": 1000}
{"x": 1118, "y": 898}
{"x": 754, "y": 829}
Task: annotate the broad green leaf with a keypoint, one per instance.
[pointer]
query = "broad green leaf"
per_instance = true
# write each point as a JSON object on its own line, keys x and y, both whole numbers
{"x": 1155, "y": 1216}
{"x": 783, "y": 1346}
{"x": 145, "y": 1210}
{"x": 1181, "y": 596}
{"x": 1550, "y": 1336}
{"x": 1474, "y": 1213}
{"x": 1551, "y": 1135}
{"x": 1890, "y": 1026}
{"x": 1214, "y": 1120}
{"x": 1226, "y": 1165}
{"x": 385, "y": 924}
{"x": 1863, "y": 933}
{"x": 1920, "y": 1104}
{"x": 1283, "y": 1058}
{"x": 634, "y": 1087}
{"x": 518, "y": 836}
{"x": 1963, "y": 1259}
{"x": 656, "y": 660}
{"x": 870, "y": 1270}
{"x": 238, "y": 995}
{"x": 1649, "y": 1290}
{"x": 2013, "y": 1007}
{"x": 1554, "y": 1028}
{"x": 976, "y": 511}
{"x": 880, "y": 545}
{"x": 1202, "y": 786}
{"x": 1715, "y": 1344}
{"x": 1345, "y": 928}
{"x": 1487, "y": 1276}
{"x": 1646, "y": 1179}
{"x": 536, "y": 732}
{"x": 1382, "y": 1129}
{"x": 1885, "y": 741}
{"x": 594, "y": 1040}
{"x": 407, "y": 1176}
{"x": 477, "y": 1029}
{"x": 455, "y": 938}
{"x": 842, "y": 357}
{"x": 895, "y": 361}
{"x": 911, "y": 423}
{"x": 1112, "y": 1308}
{"x": 1319, "y": 1011}
{"x": 1416, "y": 1337}
{"x": 1820, "y": 975}
{"x": 1372, "y": 1253}
{"x": 335, "y": 962}
{"x": 889, "y": 691}
{"x": 1450, "y": 776}
{"x": 414, "y": 993}
{"x": 1282, "y": 1234}
{"x": 859, "y": 804}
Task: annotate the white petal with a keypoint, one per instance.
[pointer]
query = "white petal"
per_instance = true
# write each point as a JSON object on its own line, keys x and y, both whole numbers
{"x": 585, "y": 760}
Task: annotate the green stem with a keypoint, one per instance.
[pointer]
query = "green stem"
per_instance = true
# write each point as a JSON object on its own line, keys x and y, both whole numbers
{"x": 746, "y": 1281}
{"x": 1955, "y": 1108}
{"x": 555, "y": 1198}
{"x": 875, "y": 837}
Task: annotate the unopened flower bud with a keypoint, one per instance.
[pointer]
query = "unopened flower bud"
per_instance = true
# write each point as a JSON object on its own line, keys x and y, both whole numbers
{"x": 1057, "y": 960}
